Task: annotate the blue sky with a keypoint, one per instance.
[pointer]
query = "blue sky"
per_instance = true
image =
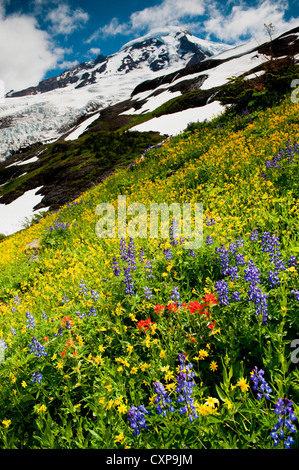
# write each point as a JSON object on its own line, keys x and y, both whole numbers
{"x": 41, "y": 38}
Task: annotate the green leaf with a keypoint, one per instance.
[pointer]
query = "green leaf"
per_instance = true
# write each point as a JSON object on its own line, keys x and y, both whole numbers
{"x": 221, "y": 393}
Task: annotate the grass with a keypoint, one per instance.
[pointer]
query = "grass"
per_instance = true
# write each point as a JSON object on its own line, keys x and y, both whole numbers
{"x": 196, "y": 323}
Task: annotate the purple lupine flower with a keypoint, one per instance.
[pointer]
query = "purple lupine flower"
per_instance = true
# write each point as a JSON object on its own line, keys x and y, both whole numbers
{"x": 273, "y": 279}
{"x": 284, "y": 410}
{"x": 260, "y": 301}
{"x": 65, "y": 299}
{"x": 240, "y": 241}
{"x": 191, "y": 253}
{"x": 115, "y": 268}
{"x": 173, "y": 233}
{"x": 292, "y": 261}
{"x": 36, "y": 377}
{"x": 30, "y": 320}
{"x": 148, "y": 293}
{"x": 175, "y": 295}
{"x": 136, "y": 418}
{"x": 233, "y": 248}
{"x": 260, "y": 384}
{"x": 221, "y": 288}
{"x": 209, "y": 240}
{"x": 131, "y": 254}
{"x": 210, "y": 221}
{"x": 252, "y": 273}
{"x": 148, "y": 269}
{"x": 185, "y": 388}
{"x": 233, "y": 272}
{"x": 224, "y": 258}
{"x": 240, "y": 259}
{"x": 296, "y": 294}
{"x": 254, "y": 236}
{"x": 141, "y": 255}
{"x": 167, "y": 253}
{"x": 128, "y": 281}
{"x": 235, "y": 297}
{"x": 37, "y": 348}
{"x": 83, "y": 288}
{"x": 94, "y": 295}
{"x": 162, "y": 399}
{"x": 123, "y": 249}
{"x": 13, "y": 331}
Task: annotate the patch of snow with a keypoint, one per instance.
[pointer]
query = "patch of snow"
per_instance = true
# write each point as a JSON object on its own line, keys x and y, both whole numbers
{"x": 173, "y": 124}
{"x": 254, "y": 75}
{"x": 13, "y": 215}
{"x": 219, "y": 75}
{"x": 82, "y": 127}
{"x": 154, "y": 102}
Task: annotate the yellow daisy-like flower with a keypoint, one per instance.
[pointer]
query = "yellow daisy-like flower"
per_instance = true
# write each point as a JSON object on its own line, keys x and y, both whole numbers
{"x": 119, "y": 438}
{"x": 24, "y": 385}
{"x": 6, "y": 423}
{"x": 122, "y": 408}
{"x": 212, "y": 402}
{"x": 242, "y": 383}
{"x": 129, "y": 348}
{"x": 171, "y": 386}
{"x": 169, "y": 376}
{"x": 213, "y": 366}
{"x": 162, "y": 353}
{"x": 134, "y": 370}
{"x": 99, "y": 360}
{"x": 109, "y": 404}
{"x": 41, "y": 409}
{"x": 152, "y": 399}
{"x": 202, "y": 354}
{"x": 228, "y": 403}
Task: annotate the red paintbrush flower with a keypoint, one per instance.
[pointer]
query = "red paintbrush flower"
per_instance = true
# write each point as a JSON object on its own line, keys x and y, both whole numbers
{"x": 159, "y": 308}
{"x": 144, "y": 324}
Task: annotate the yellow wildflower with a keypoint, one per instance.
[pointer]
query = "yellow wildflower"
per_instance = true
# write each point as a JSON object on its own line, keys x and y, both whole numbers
{"x": 162, "y": 353}
{"x": 213, "y": 366}
{"x": 6, "y": 423}
{"x": 119, "y": 438}
{"x": 41, "y": 409}
{"x": 122, "y": 408}
{"x": 228, "y": 404}
{"x": 242, "y": 383}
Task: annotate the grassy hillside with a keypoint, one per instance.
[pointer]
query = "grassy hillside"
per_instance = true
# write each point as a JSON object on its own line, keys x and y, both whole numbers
{"x": 142, "y": 343}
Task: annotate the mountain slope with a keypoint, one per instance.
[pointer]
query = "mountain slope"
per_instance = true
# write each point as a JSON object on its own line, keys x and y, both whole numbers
{"x": 165, "y": 106}
{"x": 91, "y": 327}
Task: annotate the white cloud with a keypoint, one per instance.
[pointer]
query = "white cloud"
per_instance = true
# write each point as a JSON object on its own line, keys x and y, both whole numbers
{"x": 168, "y": 13}
{"x": 230, "y": 21}
{"x": 65, "y": 21}
{"x": 26, "y": 52}
{"x": 67, "y": 64}
{"x": 244, "y": 21}
{"x": 111, "y": 29}
{"x": 94, "y": 51}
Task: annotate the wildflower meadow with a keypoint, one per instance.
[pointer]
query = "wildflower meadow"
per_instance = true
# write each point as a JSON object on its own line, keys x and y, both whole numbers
{"x": 143, "y": 343}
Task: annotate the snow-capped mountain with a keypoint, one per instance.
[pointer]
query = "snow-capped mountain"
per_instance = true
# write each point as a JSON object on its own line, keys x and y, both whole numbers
{"x": 44, "y": 112}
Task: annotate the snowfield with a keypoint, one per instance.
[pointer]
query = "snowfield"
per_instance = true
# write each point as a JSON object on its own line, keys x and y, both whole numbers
{"x": 173, "y": 124}
{"x": 13, "y": 215}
